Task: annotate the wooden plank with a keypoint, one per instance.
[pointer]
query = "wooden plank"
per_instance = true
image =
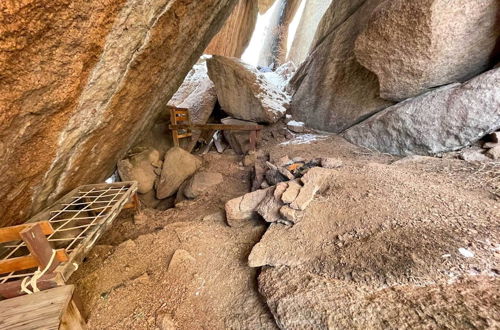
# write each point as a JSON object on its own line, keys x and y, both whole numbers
{"x": 181, "y": 136}
{"x": 217, "y": 127}
{"x": 27, "y": 262}
{"x": 8, "y": 234}
{"x": 42, "y": 310}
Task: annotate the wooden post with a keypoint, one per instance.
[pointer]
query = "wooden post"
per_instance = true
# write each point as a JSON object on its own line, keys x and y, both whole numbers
{"x": 39, "y": 247}
{"x": 253, "y": 140}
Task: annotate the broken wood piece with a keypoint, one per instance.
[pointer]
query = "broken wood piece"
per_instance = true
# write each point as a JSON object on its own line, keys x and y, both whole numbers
{"x": 8, "y": 234}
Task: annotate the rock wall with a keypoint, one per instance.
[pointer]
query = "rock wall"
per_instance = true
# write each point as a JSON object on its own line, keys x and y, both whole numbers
{"x": 234, "y": 37}
{"x": 413, "y": 46}
{"x": 81, "y": 80}
{"x": 264, "y": 5}
{"x": 334, "y": 91}
{"x": 313, "y": 12}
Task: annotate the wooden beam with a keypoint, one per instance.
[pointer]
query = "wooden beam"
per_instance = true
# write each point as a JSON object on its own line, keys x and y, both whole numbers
{"x": 27, "y": 262}
{"x": 12, "y": 233}
{"x": 217, "y": 127}
{"x": 13, "y": 288}
{"x": 39, "y": 246}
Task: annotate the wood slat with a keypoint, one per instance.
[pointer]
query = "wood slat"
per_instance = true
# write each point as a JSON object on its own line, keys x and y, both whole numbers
{"x": 27, "y": 262}
{"x": 181, "y": 136}
{"x": 43, "y": 310}
{"x": 12, "y": 233}
{"x": 217, "y": 127}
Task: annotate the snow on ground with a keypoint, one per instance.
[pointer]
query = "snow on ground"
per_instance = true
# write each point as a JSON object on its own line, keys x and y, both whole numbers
{"x": 305, "y": 139}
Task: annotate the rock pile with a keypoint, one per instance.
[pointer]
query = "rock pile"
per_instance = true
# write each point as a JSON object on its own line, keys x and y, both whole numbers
{"x": 159, "y": 180}
{"x": 288, "y": 169}
{"x": 295, "y": 183}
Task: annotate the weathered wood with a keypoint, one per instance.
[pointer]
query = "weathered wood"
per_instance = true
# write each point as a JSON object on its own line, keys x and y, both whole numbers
{"x": 181, "y": 136}
{"x": 217, "y": 127}
{"x": 28, "y": 262}
{"x": 51, "y": 309}
{"x": 13, "y": 288}
{"x": 253, "y": 140}
{"x": 12, "y": 233}
{"x": 39, "y": 247}
{"x": 133, "y": 203}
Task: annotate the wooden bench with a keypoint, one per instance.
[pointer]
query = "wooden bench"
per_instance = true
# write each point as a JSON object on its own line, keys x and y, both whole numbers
{"x": 55, "y": 308}
{"x": 181, "y": 127}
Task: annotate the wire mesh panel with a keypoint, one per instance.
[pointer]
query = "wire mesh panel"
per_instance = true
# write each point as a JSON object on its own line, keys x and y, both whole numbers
{"x": 78, "y": 219}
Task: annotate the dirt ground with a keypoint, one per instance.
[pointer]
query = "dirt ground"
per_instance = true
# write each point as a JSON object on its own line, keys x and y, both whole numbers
{"x": 185, "y": 268}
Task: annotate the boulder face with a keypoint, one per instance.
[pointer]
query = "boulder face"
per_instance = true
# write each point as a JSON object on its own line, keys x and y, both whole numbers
{"x": 81, "y": 84}
{"x": 334, "y": 91}
{"x": 233, "y": 38}
{"x": 141, "y": 168}
{"x": 301, "y": 300}
{"x": 413, "y": 46}
{"x": 197, "y": 94}
{"x": 446, "y": 119}
{"x": 244, "y": 93}
{"x": 178, "y": 165}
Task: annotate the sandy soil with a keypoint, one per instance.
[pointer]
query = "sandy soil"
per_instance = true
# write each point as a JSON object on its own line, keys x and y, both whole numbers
{"x": 184, "y": 268}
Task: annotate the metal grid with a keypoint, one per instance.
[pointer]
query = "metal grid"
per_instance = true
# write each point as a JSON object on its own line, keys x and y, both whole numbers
{"x": 76, "y": 219}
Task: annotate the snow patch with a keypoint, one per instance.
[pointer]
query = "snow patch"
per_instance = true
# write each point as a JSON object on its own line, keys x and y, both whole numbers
{"x": 305, "y": 139}
{"x": 466, "y": 253}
